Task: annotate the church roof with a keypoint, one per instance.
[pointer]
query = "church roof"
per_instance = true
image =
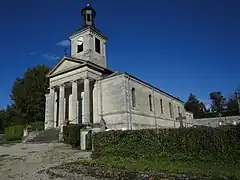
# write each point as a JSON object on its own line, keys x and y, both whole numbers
{"x": 133, "y": 77}
{"x": 91, "y": 28}
{"x": 82, "y": 63}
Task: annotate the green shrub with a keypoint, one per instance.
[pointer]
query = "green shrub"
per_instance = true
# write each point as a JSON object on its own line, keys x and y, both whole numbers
{"x": 37, "y": 126}
{"x": 71, "y": 134}
{"x": 14, "y": 132}
{"x": 201, "y": 143}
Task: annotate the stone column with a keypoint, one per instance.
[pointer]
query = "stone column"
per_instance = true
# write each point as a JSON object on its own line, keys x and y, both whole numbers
{"x": 82, "y": 106}
{"x": 74, "y": 102}
{"x": 70, "y": 117}
{"x": 64, "y": 111}
{"x": 61, "y": 104}
{"x": 55, "y": 109}
{"x": 77, "y": 112}
{"x": 86, "y": 101}
{"x": 95, "y": 104}
{"x": 46, "y": 124}
{"x": 51, "y": 107}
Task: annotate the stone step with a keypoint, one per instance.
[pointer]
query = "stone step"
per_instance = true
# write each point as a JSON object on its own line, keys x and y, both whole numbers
{"x": 47, "y": 136}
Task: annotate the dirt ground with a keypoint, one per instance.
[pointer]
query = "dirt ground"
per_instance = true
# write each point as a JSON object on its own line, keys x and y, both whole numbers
{"x": 29, "y": 161}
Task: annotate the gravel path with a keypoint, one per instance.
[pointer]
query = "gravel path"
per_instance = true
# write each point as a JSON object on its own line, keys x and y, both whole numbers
{"x": 30, "y": 161}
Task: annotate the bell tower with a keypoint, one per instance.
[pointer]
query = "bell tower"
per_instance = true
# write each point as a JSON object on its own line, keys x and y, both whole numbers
{"x": 88, "y": 43}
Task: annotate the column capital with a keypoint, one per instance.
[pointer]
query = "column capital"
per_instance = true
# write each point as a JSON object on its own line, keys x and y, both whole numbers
{"x": 62, "y": 85}
{"x": 74, "y": 81}
{"x": 52, "y": 88}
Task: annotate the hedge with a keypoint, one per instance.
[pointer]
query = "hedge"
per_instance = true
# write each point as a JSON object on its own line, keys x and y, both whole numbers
{"x": 201, "y": 143}
{"x": 37, "y": 126}
{"x": 215, "y": 114}
{"x": 71, "y": 134}
{"x": 14, "y": 132}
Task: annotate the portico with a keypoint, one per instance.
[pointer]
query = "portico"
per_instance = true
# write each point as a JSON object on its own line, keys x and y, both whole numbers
{"x": 69, "y": 101}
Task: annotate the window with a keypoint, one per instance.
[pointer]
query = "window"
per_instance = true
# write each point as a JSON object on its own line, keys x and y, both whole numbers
{"x": 133, "y": 97}
{"x": 179, "y": 110}
{"x": 161, "y": 106}
{"x": 88, "y": 17}
{"x": 170, "y": 110}
{"x": 150, "y": 102}
{"x": 97, "y": 46}
{"x": 80, "y": 48}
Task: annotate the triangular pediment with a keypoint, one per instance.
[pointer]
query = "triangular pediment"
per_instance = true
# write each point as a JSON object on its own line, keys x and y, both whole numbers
{"x": 65, "y": 64}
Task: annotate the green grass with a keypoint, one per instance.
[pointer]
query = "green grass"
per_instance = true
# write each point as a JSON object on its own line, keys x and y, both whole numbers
{"x": 165, "y": 165}
{"x": 5, "y": 142}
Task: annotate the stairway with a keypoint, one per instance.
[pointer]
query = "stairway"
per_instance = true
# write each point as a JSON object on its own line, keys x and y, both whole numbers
{"x": 47, "y": 136}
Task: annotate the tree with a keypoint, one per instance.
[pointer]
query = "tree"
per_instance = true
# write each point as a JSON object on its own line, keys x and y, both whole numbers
{"x": 218, "y": 101}
{"x": 28, "y": 94}
{"x": 195, "y": 106}
{"x": 232, "y": 104}
{"x": 2, "y": 120}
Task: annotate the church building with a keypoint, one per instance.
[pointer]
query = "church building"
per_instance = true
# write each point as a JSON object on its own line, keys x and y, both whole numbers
{"x": 83, "y": 89}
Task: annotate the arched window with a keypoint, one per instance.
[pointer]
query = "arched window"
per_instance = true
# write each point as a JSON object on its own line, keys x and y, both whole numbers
{"x": 133, "y": 97}
{"x": 179, "y": 110}
{"x": 161, "y": 106}
{"x": 150, "y": 102}
{"x": 170, "y": 110}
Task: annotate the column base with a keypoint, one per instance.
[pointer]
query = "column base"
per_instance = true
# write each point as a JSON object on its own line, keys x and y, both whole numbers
{"x": 85, "y": 139}
{"x": 61, "y": 134}
{"x": 88, "y": 125}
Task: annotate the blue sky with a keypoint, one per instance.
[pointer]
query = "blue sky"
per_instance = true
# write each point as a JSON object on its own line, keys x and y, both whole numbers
{"x": 180, "y": 46}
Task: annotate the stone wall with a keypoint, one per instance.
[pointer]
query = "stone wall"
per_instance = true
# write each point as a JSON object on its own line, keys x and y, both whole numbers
{"x": 113, "y": 107}
{"x": 141, "y": 116}
{"x": 214, "y": 122}
{"x": 118, "y": 111}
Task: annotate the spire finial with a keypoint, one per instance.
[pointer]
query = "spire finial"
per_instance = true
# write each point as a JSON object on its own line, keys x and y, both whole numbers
{"x": 88, "y": 14}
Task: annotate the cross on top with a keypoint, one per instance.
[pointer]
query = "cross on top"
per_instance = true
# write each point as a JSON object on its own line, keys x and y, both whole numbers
{"x": 180, "y": 118}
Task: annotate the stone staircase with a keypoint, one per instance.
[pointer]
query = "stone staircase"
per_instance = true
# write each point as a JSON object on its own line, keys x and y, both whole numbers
{"x": 47, "y": 136}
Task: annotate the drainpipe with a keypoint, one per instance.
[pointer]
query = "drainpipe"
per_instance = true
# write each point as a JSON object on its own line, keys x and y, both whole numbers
{"x": 154, "y": 109}
{"x": 126, "y": 101}
{"x": 129, "y": 103}
{"x": 173, "y": 114}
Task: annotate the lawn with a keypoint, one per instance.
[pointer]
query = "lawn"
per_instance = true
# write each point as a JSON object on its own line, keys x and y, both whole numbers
{"x": 164, "y": 165}
{"x": 4, "y": 142}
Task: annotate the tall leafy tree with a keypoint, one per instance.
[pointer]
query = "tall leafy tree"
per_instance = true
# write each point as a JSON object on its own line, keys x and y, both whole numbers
{"x": 2, "y": 120}
{"x": 232, "y": 104}
{"x": 218, "y": 101}
{"x": 195, "y": 106}
{"x": 28, "y": 93}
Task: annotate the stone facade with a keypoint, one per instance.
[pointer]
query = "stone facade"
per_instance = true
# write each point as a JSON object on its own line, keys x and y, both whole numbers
{"x": 217, "y": 121}
{"x": 84, "y": 90}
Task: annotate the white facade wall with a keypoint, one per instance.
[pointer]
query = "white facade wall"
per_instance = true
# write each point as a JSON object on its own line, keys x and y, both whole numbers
{"x": 118, "y": 112}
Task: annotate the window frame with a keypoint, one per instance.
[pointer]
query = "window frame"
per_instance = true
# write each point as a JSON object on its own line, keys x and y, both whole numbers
{"x": 133, "y": 93}
{"x": 97, "y": 42}
{"x": 150, "y": 102}
{"x": 170, "y": 110}
{"x": 81, "y": 50}
{"x": 161, "y": 106}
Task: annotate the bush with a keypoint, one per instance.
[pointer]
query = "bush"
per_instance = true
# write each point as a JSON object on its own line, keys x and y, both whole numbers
{"x": 14, "y": 132}
{"x": 71, "y": 134}
{"x": 215, "y": 114}
{"x": 201, "y": 143}
{"x": 37, "y": 126}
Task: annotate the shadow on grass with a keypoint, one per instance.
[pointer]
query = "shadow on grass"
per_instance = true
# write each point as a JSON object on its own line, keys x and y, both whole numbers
{"x": 163, "y": 165}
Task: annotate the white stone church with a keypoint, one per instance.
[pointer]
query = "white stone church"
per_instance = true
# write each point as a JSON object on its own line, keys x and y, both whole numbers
{"x": 84, "y": 90}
